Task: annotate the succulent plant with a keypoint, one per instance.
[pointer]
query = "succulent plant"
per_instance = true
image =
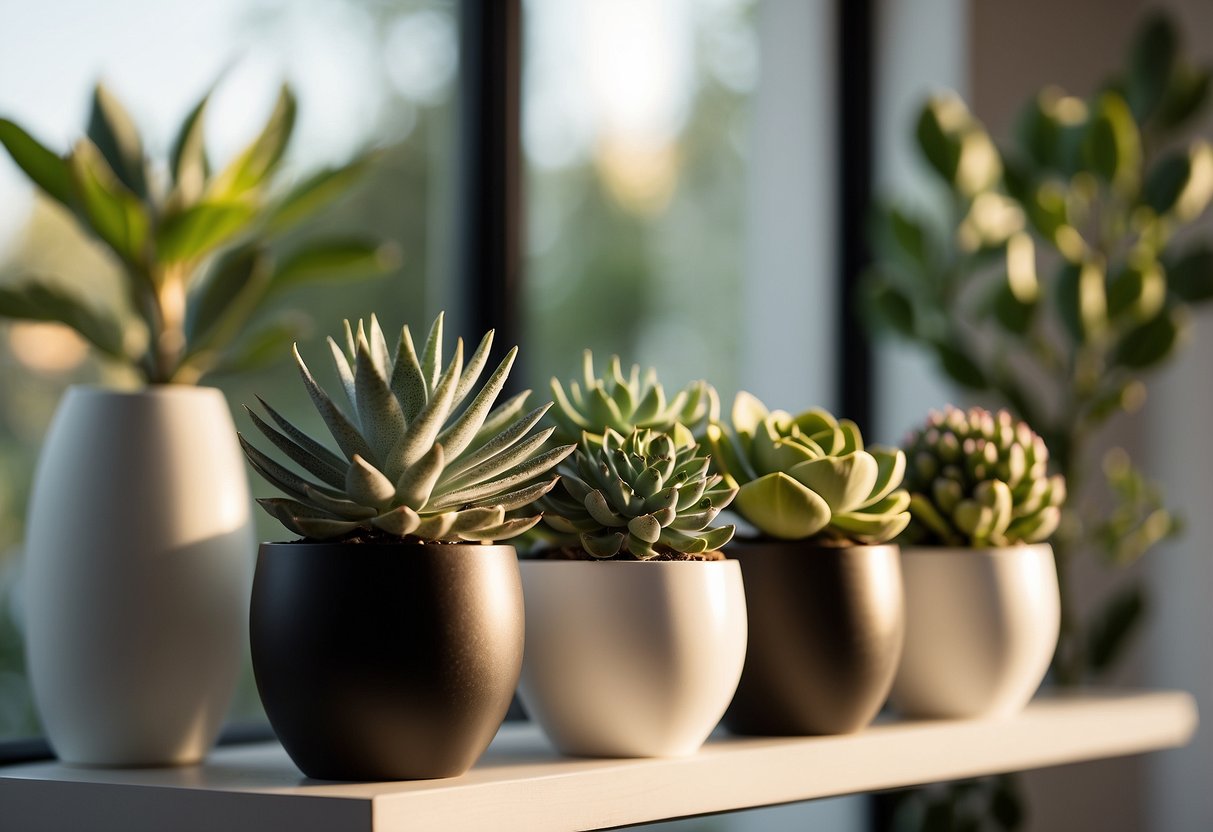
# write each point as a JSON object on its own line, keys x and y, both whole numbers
{"x": 647, "y": 496}
{"x": 809, "y": 475}
{"x": 981, "y": 479}
{"x": 624, "y": 403}
{"x": 407, "y": 466}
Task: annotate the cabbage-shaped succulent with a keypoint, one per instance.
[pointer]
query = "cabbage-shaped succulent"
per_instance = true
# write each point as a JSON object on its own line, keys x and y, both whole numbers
{"x": 981, "y": 479}
{"x": 406, "y": 464}
{"x": 624, "y": 403}
{"x": 643, "y": 497}
{"x": 809, "y": 475}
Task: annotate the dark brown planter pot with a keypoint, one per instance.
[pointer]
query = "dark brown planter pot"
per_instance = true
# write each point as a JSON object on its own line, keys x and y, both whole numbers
{"x": 381, "y": 662}
{"x": 826, "y": 631}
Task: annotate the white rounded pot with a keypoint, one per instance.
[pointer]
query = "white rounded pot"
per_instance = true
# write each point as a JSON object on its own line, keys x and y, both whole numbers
{"x": 139, "y": 553}
{"x": 631, "y": 659}
{"x": 981, "y": 628}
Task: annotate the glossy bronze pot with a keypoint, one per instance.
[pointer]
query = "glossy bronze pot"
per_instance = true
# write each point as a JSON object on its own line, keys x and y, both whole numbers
{"x": 386, "y": 662}
{"x": 826, "y": 631}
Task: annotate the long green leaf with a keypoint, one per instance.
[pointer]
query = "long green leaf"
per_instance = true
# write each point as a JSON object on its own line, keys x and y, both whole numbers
{"x": 303, "y": 440}
{"x": 187, "y": 158}
{"x": 317, "y": 191}
{"x": 252, "y": 166}
{"x": 379, "y": 412}
{"x": 512, "y": 478}
{"x": 346, "y": 435}
{"x": 460, "y": 434}
{"x": 322, "y": 468}
{"x": 114, "y": 214}
{"x": 200, "y": 229}
{"x": 44, "y": 168}
{"x": 498, "y": 443}
{"x": 114, "y": 133}
{"x": 335, "y": 259}
{"x": 43, "y": 302}
{"x": 210, "y": 300}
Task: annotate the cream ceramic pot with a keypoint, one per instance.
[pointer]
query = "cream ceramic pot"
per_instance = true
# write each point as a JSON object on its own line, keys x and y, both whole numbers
{"x": 139, "y": 554}
{"x": 631, "y": 659}
{"x": 981, "y": 628}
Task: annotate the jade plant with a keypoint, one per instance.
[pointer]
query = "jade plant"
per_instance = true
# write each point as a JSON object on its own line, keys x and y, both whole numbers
{"x": 195, "y": 245}
{"x": 623, "y": 403}
{"x": 408, "y": 467}
{"x": 980, "y": 479}
{"x": 647, "y": 496}
{"x": 809, "y": 476}
{"x": 1052, "y": 274}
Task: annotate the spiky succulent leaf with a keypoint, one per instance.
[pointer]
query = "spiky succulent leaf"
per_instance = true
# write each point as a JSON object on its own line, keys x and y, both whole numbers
{"x": 980, "y": 479}
{"x": 809, "y": 475}
{"x": 621, "y": 498}
{"x": 623, "y": 402}
{"x": 407, "y": 465}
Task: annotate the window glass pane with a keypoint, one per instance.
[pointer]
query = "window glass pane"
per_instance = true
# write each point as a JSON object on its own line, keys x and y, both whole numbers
{"x": 634, "y": 127}
{"x": 366, "y": 72}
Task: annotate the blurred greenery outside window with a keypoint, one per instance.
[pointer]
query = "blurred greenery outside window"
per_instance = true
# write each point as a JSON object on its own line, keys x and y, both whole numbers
{"x": 634, "y": 130}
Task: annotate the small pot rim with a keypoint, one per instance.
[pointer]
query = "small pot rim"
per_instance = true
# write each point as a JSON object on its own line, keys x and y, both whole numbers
{"x": 975, "y": 551}
{"x": 804, "y": 543}
{"x": 522, "y": 561}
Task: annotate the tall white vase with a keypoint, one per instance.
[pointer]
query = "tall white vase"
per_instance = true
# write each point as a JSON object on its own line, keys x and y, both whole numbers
{"x": 139, "y": 552}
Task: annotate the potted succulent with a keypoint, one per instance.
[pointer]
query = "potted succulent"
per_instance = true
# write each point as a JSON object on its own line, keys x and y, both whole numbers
{"x": 139, "y": 537}
{"x": 636, "y": 624}
{"x": 387, "y": 642}
{"x": 823, "y": 582}
{"x": 982, "y": 607}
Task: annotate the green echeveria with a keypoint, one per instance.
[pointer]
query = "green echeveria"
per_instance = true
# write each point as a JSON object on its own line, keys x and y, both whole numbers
{"x": 640, "y": 497}
{"x": 981, "y": 479}
{"x": 809, "y": 475}
{"x": 408, "y": 465}
{"x": 624, "y": 403}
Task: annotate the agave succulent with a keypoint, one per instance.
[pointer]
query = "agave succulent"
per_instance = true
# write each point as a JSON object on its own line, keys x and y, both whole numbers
{"x": 642, "y": 497}
{"x": 809, "y": 475}
{"x": 623, "y": 403}
{"x": 981, "y": 479}
{"x": 407, "y": 466}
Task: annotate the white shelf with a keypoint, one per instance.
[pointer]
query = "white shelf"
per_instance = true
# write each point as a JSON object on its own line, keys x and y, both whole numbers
{"x": 522, "y": 784}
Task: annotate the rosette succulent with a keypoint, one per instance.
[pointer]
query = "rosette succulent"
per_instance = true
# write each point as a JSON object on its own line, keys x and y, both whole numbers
{"x": 981, "y": 479}
{"x": 644, "y": 497}
{"x": 809, "y": 475}
{"x": 623, "y": 403}
{"x": 407, "y": 465}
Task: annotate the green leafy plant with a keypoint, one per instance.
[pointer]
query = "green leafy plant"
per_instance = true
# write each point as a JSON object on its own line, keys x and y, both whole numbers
{"x": 194, "y": 244}
{"x": 624, "y": 403}
{"x": 1055, "y": 278}
{"x": 407, "y": 466}
{"x": 980, "y": 479}
{"x": 809, "y": 476}
{"x": 644, "y": 497}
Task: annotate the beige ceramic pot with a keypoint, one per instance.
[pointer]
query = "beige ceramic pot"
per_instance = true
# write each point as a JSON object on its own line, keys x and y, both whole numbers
{"x": 631, "y": 659}
{"x": 981, "y": 628}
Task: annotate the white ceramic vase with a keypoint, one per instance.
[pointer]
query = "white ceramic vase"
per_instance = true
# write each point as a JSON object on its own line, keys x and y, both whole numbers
{"x": 139, "y": 553}
{"x": 981, "y": 628}
{"x": 631, "y": 659}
